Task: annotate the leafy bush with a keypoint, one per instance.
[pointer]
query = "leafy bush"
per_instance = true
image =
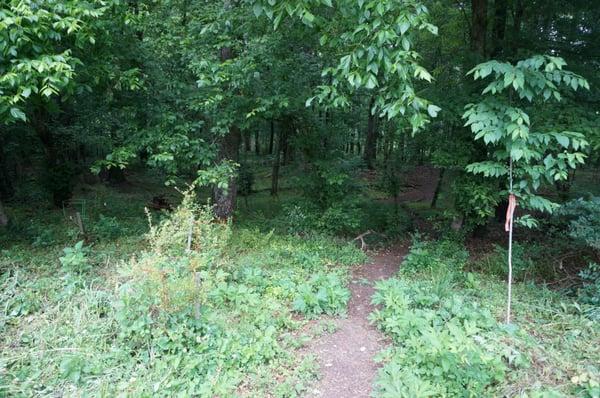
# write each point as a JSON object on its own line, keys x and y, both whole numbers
{"x": 322, "y": 294}
{"x": 107, "y": 228}
{"x": 583, "y": 220}
{"x": 75, "y": 258}
{"x": 589, "y": 292}
{"x": 304, "y": 217}
{"x": 434, "y": 257}
{"x": 341, "y": 218}
{"x": 476, "y": 199}
{"x": 444, "y": 345}
{"x": 299, "y": 218}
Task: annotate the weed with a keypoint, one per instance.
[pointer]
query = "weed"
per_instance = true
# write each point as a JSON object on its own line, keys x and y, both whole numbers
{"x": 75, "y": 259}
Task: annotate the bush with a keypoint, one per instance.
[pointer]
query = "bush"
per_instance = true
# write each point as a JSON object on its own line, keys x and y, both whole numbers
{"x": 75, "y": 258}
{"x": 589, "y": 292}
{"x": 304, "y": 217}
{"x": 434, "y": 257}
{"x": 322, "y": 294}
{"x": 107, "y": 228}
{"x": 583, "y": 221}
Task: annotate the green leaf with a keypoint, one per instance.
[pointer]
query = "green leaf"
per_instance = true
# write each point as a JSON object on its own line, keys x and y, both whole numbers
{"x": 16, "y": 113}
{"x": 433, "y": 110}
{"x": 258, "y": 9}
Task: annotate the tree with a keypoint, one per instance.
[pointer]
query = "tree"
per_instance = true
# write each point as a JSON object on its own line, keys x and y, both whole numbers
{"x": 520, "y": 150}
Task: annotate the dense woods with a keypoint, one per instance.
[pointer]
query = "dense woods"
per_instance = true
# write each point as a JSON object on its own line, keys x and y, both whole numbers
{"x": 192, "y": 193}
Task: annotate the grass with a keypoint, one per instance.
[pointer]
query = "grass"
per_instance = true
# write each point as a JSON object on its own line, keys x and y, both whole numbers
{"x": 117, "y": 329}
{"x": 437, "y": 313}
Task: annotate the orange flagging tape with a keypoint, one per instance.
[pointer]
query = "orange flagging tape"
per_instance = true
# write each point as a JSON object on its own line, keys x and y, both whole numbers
{"x": 510, "y": 211}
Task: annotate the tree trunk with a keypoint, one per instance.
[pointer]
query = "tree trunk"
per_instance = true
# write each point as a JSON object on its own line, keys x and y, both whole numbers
{"x": 225, "y": 199}
{"x": 285, "y": 145}
{"x": 498, "y": 33}
{"x": 438, "y": 188}
{"x": 6, "y": 187}
{"x": 276, "y": 163}
{"x": 478, "y": 25}
{"x": 516, "y": 29}
{"x": 272, "y": 137}
{"x": 256, "y": 143}
{"x": 247, "y": 145}
{"x": 371, "y": 141}
{"x": 3, "y": 216}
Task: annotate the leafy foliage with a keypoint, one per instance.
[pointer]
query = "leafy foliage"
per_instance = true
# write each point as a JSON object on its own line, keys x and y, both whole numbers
{"x": 538, "y": 156}
{"x": 75, "y": 258}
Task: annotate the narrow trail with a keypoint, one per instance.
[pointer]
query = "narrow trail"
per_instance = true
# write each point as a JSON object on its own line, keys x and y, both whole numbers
{"x": 346, "y": 356}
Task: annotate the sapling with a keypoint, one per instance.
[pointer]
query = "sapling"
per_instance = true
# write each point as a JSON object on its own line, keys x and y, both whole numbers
{"x": 520, "y": 150}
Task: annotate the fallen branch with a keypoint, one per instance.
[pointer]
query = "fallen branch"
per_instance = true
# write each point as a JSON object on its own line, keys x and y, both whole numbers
{"x": 361, "y": 237}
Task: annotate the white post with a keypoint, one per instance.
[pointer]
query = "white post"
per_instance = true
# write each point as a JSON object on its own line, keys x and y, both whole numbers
{"x": 510, "y": 239}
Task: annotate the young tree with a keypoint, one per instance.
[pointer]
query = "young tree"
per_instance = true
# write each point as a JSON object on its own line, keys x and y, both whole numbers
{"x": 521, "y": 150}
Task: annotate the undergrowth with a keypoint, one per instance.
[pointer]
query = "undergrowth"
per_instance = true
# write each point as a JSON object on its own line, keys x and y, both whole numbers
{"x": 203, "y": 318}
{"x": 448, "y": 339}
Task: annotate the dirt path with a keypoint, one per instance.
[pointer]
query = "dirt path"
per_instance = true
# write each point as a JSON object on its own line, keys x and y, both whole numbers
{"x": 346, "y": 356}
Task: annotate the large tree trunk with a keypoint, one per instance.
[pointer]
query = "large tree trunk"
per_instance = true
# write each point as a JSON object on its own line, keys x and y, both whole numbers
{"x": 498, "y": 33}
{"x": 3, "y": 216}
{"x": 478, "y": 26}
{"x": 58, "y": 172}
{"x": 225, "y": 199}
{"x": 371, "y": 141}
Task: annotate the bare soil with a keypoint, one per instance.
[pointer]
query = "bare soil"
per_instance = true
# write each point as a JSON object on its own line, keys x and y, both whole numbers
{"x": 346, "y": 357}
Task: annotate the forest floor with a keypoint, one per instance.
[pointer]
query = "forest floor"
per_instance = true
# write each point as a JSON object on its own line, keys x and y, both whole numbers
{"x": 346, "y": 357}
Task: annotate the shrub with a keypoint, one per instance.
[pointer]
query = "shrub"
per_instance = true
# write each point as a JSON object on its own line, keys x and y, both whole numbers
{"x": 107, "y": 228}
{"x": 589, "y": 292}
{"x": 341, "y": 218}
{"x": 322, "y": 294}
{"x": 583, "y": 221}
{"x": 434, "y": 257}
{"x": 443, "y": 343}
{"x": 75, "y": 258}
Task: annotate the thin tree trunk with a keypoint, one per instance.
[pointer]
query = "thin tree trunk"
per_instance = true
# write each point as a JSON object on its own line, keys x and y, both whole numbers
{"x": 438, "y": 188}
{"x": 516, "y": 29}
{"x": 272, "y": 137}
{"x": 276, "y": 164}
{"x": 499, "y": 30}
{"x": 3, "y": 216}
{"x": 285, "y": 144}
{"x": 247, "y": 145}
{"x": 256, "y": 143}
{"x": 371, "y": 141}
{"x": 478, "y": 26}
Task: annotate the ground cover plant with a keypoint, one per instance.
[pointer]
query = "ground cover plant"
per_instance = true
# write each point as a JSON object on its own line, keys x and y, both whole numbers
{"x": 449, "y": 338}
